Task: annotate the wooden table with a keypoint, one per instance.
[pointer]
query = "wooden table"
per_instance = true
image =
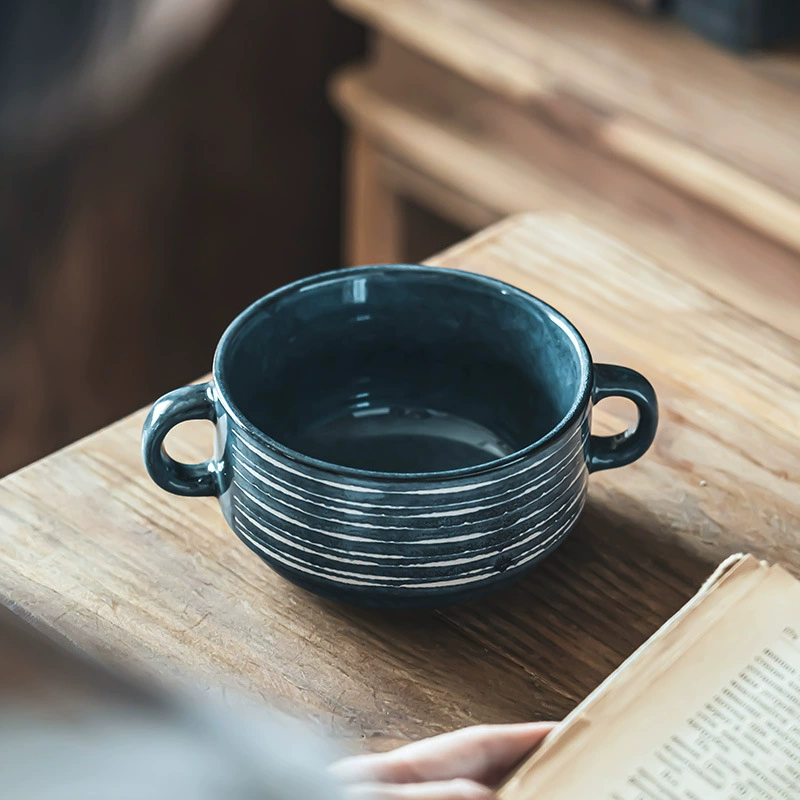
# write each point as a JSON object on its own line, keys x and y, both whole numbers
{"x": 477, "y": 109}
{"x": 90, "y": 547}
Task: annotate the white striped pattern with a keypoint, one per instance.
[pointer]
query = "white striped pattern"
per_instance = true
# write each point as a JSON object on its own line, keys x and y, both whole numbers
{"x": 264, "y": 456}
{"x": 407, "y": 536}
{"x": 382, "y": 582}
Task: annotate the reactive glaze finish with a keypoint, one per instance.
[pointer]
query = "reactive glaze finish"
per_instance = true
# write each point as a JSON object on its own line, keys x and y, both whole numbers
{"x": 400, "y": 436}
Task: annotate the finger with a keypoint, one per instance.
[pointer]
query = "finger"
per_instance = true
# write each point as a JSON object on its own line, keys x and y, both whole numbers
{"x": 359, "y": 769}
{"x": 459, "y": 789}
{"x": 484, "y": 753}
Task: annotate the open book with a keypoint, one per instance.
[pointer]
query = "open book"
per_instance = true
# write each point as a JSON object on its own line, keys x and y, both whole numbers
{"x": 707, "y": 709}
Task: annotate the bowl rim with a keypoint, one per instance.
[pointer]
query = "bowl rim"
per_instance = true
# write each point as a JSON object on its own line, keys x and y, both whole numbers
{"x": 375, "y": 476}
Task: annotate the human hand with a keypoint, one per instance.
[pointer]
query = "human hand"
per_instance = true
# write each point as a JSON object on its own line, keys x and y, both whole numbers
{"x": 463, "y": 765}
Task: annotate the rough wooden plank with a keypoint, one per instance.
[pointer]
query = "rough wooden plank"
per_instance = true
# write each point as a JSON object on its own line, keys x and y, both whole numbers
{"x": 90, "y": 546}
{"x": 479, "y": 147}
{"x": 710, "y": 123}
{"x": 373, "y": 219}
{"x": 405, "y": 181}
{"x": 137, "y": 576}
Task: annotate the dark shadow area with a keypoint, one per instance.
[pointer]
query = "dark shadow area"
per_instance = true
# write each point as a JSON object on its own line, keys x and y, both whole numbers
{"x": 131, "y": 240}
{"x": 553, "y": 636}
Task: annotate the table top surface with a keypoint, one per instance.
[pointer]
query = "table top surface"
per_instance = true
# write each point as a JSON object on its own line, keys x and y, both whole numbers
{"x": 91, "y": 548}
{"x": 649, "y": 91}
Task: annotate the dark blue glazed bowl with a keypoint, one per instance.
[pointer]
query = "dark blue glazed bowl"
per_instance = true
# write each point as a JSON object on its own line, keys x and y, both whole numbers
{"x": 400, "y": 436}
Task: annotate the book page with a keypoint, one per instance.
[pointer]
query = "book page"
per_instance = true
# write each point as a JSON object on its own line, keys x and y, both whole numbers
{"x": 708, "y": 709}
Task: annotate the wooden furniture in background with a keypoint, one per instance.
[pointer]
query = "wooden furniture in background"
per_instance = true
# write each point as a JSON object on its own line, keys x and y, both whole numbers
{"x": 135, "y": 232}
{"x": 90, "y": 546}
{"x": 480, "y": 108}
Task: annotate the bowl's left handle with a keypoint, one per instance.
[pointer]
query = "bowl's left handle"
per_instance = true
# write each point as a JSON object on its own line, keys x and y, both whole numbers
{"x": 186, "y": 403}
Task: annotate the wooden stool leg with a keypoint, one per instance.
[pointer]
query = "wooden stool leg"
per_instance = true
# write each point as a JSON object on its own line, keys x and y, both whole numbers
{"x": 373, "y": 210}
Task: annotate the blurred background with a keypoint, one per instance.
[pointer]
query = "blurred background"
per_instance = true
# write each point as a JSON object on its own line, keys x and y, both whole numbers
{"x": 163, "y": 163}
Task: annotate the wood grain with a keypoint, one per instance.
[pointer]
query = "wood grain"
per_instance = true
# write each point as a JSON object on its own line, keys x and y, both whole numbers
{"x": 90, "y": 546}
{"x": 652, "y": 94}
{"x": 373, "y": 218}
{"x": 54, "y": 680}
{"x": 482, "y": 151}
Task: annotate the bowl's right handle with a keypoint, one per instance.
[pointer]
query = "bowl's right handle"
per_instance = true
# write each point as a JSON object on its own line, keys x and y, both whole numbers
{"x": 607, "y": 452}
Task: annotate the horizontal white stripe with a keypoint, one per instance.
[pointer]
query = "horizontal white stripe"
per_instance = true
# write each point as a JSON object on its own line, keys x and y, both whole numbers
{"x": 358, "y": 562}
{"x": 239, "y": 509}
{"x": 539, "y": 480}
{"x": 325, "y": 571}
{"x": 565, "y": 465}
{"x": 533, "y": 533}
{"x": 262, "y": 454}
{"x": 455, "y": 582}
{"x": 565, "y": 489}
{"x": 344, "y": 551}
{"x": 510, "y": 541}
{"x": 574, "y": 443}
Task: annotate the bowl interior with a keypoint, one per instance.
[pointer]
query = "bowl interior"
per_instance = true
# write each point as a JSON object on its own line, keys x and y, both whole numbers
{"x": 403, "y": 370}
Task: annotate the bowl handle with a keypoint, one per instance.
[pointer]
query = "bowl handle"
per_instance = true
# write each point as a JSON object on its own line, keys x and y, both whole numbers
{"x": 186, "y": 403}
{"x": 607, "y": 452}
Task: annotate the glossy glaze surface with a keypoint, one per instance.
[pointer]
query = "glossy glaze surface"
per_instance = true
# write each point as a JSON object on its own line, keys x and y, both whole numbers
{"x": 403, "y": 369}
{"x": 400, "y": 436}
{"x": 418, "y": 543}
